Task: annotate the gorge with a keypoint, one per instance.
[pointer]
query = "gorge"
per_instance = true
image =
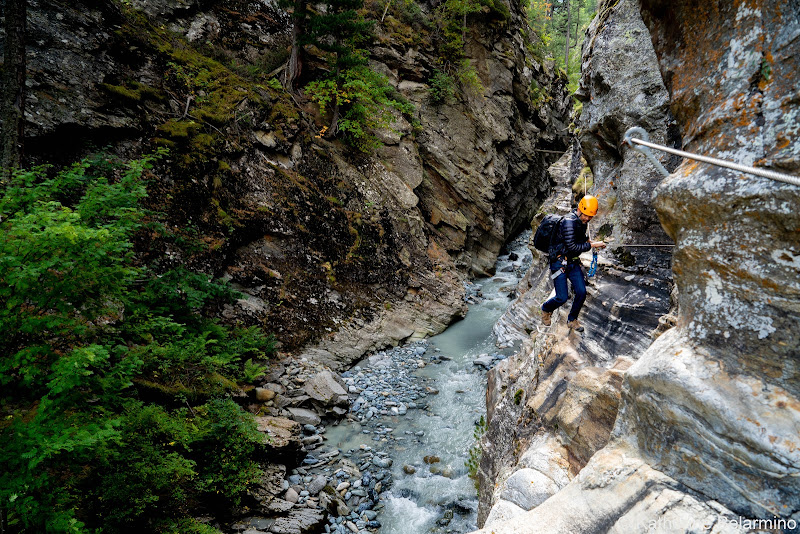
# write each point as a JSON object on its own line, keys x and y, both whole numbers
{"x": 675, "y": 411}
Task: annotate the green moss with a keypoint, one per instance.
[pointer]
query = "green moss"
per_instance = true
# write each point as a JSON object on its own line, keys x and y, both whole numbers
{"x": 498, "y": 8}
{"x": 179, "y": 129}
{"x": 134, "y": 91}
{"x": 211, "y": 93}
{"x": 204, "y": 144}
{"x": 283, "y": 111}
{"x": 224, "y": 217}
{"x": 584, "y": 182}
{"x": 121, "y": 91}
{"x": 160, "y": 141}
{"x": 625, "y": 257}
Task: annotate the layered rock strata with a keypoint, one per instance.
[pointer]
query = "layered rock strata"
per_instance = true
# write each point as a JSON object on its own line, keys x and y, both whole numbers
{"x": 705, "y": 437}
{"x": 332, "y": 250}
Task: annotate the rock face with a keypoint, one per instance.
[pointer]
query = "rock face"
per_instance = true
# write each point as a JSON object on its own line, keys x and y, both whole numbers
{"x": 338, "y": 253}
{"x": 559, "y": 398}
{"x": 736, "y": 424}
{"x": 700, "y": 425}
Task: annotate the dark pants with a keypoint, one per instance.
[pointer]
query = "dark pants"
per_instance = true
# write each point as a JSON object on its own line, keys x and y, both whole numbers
{"x": 575, "y": 275}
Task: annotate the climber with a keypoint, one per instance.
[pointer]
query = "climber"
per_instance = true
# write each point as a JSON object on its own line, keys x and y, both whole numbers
{"x": 571, "y": 240}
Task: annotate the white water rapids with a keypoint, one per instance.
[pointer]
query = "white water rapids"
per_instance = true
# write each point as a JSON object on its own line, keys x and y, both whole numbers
{"x": 439, "y": 496}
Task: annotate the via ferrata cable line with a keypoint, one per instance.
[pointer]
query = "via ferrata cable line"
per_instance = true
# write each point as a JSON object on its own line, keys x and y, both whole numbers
{"x": 641, "y": 143}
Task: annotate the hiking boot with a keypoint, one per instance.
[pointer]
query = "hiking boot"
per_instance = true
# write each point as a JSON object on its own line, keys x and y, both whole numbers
{"x": 546, "y": 317}
{"x": 575, "y": 325}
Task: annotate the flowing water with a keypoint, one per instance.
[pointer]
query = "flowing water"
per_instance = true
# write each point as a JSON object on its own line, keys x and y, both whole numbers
{"x": 429, "y": 444}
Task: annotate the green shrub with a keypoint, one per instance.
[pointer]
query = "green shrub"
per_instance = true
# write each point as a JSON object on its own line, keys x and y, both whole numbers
{"x": 87, "y": 329}
{"x": 225, "y": 443}
{"x": 476, "y": 451}
{"x": 365, "y": 102}
{"x": 441, "y": 87}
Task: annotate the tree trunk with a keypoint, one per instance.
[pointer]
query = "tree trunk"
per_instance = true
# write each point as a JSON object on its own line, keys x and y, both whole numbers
{"x": 464, "y": 30}
{"x": 578, "y": 22}
{"x": 13, "y": 105}
{"x": 334, "y": 127}
{"x": 566, "y": 43}
{"x": 295, "y": 66}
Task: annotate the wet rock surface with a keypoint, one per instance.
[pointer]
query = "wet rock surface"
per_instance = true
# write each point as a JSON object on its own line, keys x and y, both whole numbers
{"x": 359, "y": 471}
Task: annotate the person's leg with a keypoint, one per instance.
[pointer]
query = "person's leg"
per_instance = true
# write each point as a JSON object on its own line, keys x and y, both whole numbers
{"x": 575, "y": 275}
{"x": 562, "y": 294}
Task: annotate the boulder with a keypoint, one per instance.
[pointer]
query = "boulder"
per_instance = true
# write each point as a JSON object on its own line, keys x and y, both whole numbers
{"x": 316, "y": 485}
{"x": 304, "y": 416}
{"x": 282, "y": 438}
{"x": 616, "y": 493}
{"x": 327, "y": 389}
{"x": 502, "y": 511}
{"x": 299, "y": 521}
{"x": 528, "y": 488}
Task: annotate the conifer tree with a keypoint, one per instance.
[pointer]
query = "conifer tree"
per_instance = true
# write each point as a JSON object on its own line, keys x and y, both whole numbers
{"x": 357, "y": 97}
{"x": 294, "y": 68}
{"x": 13, "y": 79}
{"x": 339, "y": 30}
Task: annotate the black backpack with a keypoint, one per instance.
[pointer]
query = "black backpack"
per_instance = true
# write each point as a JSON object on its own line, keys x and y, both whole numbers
{"x": 548, "y": 228}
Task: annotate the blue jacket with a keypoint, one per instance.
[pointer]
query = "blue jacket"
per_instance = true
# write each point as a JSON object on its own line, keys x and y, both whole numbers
{"x": 571, "y": 241}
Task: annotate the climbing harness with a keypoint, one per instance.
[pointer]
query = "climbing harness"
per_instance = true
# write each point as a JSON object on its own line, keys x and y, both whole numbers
{"x": 644, "y": 140}
{"x": 562, "y": 270}
{"x": 593, "y": 266}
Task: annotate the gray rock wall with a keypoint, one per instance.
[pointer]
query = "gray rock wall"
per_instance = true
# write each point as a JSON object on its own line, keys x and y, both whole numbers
{"x": 705, "y": 434}
{"x": 282, "y": 210}
{"x": 729, "y": 369}
{"x": 571, "y": 383}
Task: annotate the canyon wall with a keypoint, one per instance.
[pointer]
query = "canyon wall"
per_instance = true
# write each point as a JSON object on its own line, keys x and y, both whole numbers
{"x": 695, "y": 429}
{"x": 335, "y": 251}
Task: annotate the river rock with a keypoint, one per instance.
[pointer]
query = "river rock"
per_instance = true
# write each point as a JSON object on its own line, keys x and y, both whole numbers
{"x": 291, "y": 496}
{"x": 299, "y": 521}
{"x": 316, "y": 485}
{"x": 383, "y": 463}
{"x": 304, "y": 416}
{"x": 484, "y": 360}
{"x": 327, "y": 389}
{"x": 350, "y": 468}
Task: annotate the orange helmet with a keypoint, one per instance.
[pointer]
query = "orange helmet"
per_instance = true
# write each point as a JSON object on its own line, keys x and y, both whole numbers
{"x": 588, "y": 205}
